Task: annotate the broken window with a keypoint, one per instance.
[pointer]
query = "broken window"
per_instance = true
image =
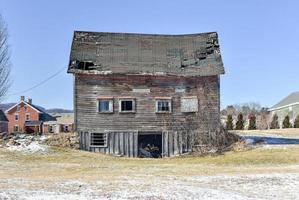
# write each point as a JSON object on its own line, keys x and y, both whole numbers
{"x": 98, "y": 139}
{"x": 105, "y": 105}
{"x": 189, "y": 104}
{"x": 127, "y": 105}
{"x": 163, "y": 105}
{"x": 84, "y": 65}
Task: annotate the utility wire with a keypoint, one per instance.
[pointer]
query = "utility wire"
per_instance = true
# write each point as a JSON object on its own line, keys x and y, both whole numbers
{"x": 39, "y": 84}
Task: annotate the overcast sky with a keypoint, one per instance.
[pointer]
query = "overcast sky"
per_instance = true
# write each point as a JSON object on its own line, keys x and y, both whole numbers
{"x": 259, "y": 41}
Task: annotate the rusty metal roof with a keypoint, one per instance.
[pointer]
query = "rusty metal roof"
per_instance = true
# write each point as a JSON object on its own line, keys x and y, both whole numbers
{"x": 131, "y": 53}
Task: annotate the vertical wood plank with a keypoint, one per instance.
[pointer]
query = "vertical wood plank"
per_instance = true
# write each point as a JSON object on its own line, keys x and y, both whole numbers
{"x": 166, "y": 142}
{"x": 116, "y": 143}
{"x": 127, "y": 144}
{"x": 180, "y": 134}
{"x": 111, "y": 142}
{"x": 131, "y": 138}
{"x": 175, "y": 143}
{"x": 135, "y": 144}
{"x": 170, "y": 143}
{"x": 121, "y": 144}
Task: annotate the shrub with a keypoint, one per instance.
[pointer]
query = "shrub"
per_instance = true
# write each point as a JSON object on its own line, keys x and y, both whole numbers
{"x": 240, "y": 122}
{"x": 286, "y": 122}
{"x": 296, "y": 122}
{"x": 252, "y": 122}
{"x": 229, "y": 122}
{"x": 274, "y": 123}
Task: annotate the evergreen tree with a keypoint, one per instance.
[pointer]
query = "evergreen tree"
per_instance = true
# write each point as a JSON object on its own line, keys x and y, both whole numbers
{"x": 252, "y": 122}
{"x": 240, "y": 122}
{"x": 229, "y": 122}
{"x": 274, "y": 123}
{"x": 296, "y": 123}
{"x": 286, "y": 122}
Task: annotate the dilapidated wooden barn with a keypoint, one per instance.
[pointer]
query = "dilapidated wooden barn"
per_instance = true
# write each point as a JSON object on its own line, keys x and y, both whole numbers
{"x": 145, "y": 94}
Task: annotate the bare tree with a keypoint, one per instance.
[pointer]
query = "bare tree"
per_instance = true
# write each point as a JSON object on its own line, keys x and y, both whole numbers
{"x": 4, "y": 60}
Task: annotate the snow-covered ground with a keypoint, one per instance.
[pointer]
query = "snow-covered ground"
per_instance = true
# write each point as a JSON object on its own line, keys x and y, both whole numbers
{"x": 234, "y": 187}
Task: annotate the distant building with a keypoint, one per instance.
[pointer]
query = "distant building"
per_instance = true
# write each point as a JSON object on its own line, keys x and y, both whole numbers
{"x": 288, "y": 106}
{"x": 3, "y": 122}
{"x": 25, "y": 117}
{"x": 64, "y": 123}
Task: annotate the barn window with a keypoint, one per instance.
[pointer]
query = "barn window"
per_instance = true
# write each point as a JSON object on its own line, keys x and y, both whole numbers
{"x": 98, "y": 139}
{"x": 105, "y": 105}
{"x": 163, "y": 105}
{"x": 189, "y": 104}
{"x": 16, "y": 117}
{"x": 127, "y": 105}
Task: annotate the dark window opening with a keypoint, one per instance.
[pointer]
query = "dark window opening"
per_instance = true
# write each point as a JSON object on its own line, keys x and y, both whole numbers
{"x": 127, "y": 105}
{"x": 98, "y": 139}
{"x": 163, "y": 106}
{"x": 150, "y": 145}
{"x": 84, "y": 65}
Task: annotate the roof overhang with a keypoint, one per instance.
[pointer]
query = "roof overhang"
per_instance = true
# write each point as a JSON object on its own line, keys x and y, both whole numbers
{"x": 285, "y": 106}
{"x": 20, "y": 103}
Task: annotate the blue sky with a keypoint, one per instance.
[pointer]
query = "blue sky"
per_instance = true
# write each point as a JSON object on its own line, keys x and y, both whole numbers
{"x": 259, "y": 41}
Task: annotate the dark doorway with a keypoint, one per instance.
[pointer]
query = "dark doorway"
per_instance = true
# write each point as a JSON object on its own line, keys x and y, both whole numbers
{"x": 150, "y": 145}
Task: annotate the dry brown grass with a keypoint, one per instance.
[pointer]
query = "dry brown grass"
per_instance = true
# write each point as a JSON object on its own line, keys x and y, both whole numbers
{"x": 73, "y": 164}
{"x": 289, "y": 132}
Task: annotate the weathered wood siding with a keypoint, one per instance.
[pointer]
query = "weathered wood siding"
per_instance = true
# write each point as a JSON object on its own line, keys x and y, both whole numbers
{"x": 174, "y": 125}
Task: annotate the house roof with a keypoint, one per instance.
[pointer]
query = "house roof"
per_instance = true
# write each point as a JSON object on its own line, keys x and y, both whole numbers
{"x": 292, "y": 99}
{"x": 3, "y": 117}
{"x": 37, "y": 108}
{"x": 132, "y": 53}
{"x": 33, "y": 123}
{"x": 63, "y": 119}
{"x": 43, "y": 115}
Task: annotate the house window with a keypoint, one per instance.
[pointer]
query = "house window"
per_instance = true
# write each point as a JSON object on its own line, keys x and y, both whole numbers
{"x": 98, "y": 139}
{"x": 16, "y": 117}
{"x": 66, "y": 128}
{"x": 127, "y": 105}
{"x": 105, "y": 105}
{"x": 16, "y": 128}
{"x": 27, "y": 117}
{"x": 51, "y": 129}
{"x": 163, "y": 105}
{"x": 18, "y": 108}
{"x": 189, "y": 104}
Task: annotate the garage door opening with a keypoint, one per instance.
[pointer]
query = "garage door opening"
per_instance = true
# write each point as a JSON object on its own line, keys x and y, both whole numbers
{"x": 150, "y": 145}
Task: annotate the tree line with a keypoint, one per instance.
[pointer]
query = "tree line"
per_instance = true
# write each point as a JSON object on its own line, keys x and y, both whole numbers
{"x": 239, "y": 125}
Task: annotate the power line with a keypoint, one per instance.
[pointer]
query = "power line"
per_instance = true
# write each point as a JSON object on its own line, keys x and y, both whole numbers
{"x": 40, "y": 83}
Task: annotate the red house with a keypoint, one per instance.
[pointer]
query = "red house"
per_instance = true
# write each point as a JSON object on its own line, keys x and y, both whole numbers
{"x": 25, "y": 117}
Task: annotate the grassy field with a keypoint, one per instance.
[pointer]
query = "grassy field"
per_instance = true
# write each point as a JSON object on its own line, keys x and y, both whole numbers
{"x": 60, "y": 170}
{"x": 289, "y": 132}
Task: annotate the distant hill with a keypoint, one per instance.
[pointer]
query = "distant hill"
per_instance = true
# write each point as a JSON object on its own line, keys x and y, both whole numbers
{"x": 6, "y": 106}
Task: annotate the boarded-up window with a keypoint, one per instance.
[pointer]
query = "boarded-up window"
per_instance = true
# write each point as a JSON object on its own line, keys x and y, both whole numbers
{"x": 189, "y": 104}
{"x": 98, "y": 139}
